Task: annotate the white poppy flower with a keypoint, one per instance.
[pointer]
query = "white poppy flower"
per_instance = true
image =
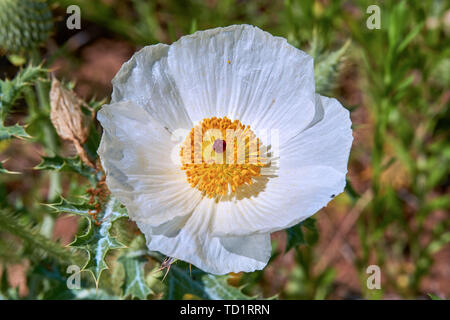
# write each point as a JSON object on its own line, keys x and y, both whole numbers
{"x": 219, "y": 216}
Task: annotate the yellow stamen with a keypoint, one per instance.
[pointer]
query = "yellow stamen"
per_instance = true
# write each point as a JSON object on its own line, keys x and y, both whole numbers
{"x": 219, "y": 155}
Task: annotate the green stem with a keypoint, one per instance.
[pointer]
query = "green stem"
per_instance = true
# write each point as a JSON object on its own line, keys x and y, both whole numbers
{"x": 30, "y": 99}
{"x": 50, "y": 141}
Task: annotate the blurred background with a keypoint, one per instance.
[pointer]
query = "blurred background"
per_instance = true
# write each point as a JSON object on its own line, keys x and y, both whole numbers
{"x": 395, "y": 81}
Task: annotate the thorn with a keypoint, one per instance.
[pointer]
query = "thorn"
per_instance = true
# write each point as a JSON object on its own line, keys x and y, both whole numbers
{"x": 167, "y": 263}
{"x": 168, "y": 269}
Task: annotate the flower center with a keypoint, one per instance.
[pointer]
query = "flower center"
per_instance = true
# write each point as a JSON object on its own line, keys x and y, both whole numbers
{"x": 219, "y": 146}
{"x": 219, "y": 155}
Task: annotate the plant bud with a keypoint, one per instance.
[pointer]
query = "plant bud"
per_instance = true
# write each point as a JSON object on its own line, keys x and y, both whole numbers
{"x": 68, "y": 118}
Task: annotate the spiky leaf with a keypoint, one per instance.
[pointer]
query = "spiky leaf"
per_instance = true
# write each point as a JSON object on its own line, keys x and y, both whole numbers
{"x": 97, "y": 241}
{"x": 81, "y": 208}
{"x": 10, "y": 90}
{"x": 66, "y": 164}
{"x": 135, "y": 284}
{"x": 217, "y": 288}
{"x": 326, "y": 68}
{"x": 9, "y": 132}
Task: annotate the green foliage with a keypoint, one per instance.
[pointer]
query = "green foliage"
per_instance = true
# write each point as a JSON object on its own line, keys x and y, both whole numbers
{"x": 434, "y": 297}
{"x": 135, "y": 284}
{"x": 16, "y": 131}
{"x": 404, "y": 91}
{"x": 304, "y": 284}
{"x": 25, "y": 24}
{"x": 86, "y": 294}
{"x": 217, "y": 288}
{"x": 295, "y": 236}
{"x": 201, "y": 285}
{"x": 180, "y": 282}
{"x": 97, "y": 240}
{"x": 304, "y": 281}
{"x": 11, "y": 90}
{"x": 75, "y": 165}
{"x": 326, "y": 68}
{"x": 31, "y": 237}
{"x": 81, "y": 208}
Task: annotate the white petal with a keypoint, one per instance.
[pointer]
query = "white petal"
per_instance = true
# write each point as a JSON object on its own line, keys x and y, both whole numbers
{"x": 288, "y": 199}
{"x": 189, "y": 239}
{"x": 247, "y": 74}
{"x": 326, "y": 143}
{"x": 311, "y": 172}
{"x": 136, "y": 152}
{"x": 145, "y": 80}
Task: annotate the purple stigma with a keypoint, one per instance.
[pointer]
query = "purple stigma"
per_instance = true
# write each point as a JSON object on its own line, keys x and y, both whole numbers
{"x": 219, "y": 146}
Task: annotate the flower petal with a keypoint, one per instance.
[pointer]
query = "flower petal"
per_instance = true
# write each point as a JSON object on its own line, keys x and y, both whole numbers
{"x": 286, "y": 200}
{"x": 247, "y": 74}
{"x": 311, "y": 172}
{"x": 145, "y": 80}
{"x": 327, "y": 142}
{"x": 139, "y": 158}
{"x": 189, "y": 239}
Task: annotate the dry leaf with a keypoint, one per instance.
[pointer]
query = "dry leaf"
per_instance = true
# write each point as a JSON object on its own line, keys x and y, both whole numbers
{"x": 68, "y": 118}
